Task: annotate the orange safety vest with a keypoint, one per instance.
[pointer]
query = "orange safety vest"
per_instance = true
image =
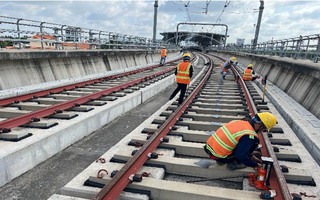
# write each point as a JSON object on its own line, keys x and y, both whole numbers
{"x": 225, "y": 139}
{"x": 163, "y": 52}
{"x": 247, "y": 74}
{"x": 183, "y": 73}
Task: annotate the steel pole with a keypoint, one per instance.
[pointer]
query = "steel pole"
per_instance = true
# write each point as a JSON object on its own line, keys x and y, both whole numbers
{"x": 41, "y": 32}
{"x": 155, "y": 21}
{"x": 18, "y": 31}
{"x": 255, "y": 41}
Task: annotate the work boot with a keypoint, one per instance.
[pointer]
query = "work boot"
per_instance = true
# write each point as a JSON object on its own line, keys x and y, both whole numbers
{"x": 235, "y": 165}
{"x": 220, "y": 163}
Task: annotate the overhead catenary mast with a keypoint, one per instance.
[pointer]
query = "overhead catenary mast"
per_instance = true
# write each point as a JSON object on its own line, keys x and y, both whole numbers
{"x": 155, "y": 21}
{"x": 255, "y": 40}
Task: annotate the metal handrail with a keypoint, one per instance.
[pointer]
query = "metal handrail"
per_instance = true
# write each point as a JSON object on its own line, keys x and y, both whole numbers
{"x": 302, "y": 47}
{"x": 20, "y": 31}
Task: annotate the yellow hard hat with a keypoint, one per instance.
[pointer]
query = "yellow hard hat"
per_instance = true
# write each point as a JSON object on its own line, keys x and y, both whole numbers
{"x": 233, "y": 59}
{"x": 268, "y": 120}
{"x": 186, "y": 56}
{"x": 250, "y": 65}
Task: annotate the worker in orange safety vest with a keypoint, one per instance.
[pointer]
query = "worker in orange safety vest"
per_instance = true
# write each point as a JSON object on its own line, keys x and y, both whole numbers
{"x": 235, "y": 142}
{"x": 225, "y": 67}
{"x": 163, "y": 56}
{"x": 249, "y": 74}
{"x": 183, "y": 72}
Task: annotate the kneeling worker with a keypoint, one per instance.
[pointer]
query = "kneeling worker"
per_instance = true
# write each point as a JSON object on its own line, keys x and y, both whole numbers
{"x": 249, "y": 74}
{"x": 235, "y": 142}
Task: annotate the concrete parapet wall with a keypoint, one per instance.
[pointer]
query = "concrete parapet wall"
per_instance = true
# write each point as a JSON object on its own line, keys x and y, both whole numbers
{"x": 23, "y": 68}
{"x": 300, "y": 79}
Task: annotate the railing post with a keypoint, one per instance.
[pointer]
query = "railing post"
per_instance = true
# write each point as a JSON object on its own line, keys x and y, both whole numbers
{"x": 18, "y": 30}
{"x": 41, "y": 36}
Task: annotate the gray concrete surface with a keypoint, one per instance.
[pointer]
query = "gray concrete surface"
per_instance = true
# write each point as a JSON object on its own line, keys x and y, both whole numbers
{"x": 24, "y": 68}
{"x": 47, "y": 178}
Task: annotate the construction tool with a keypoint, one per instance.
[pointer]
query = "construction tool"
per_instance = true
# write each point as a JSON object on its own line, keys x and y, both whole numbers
{"x": 261, "y": 179}
{"x": 268, "y": 194}
{"x": 218, "y": 178}
{"x": 264, "y": 83}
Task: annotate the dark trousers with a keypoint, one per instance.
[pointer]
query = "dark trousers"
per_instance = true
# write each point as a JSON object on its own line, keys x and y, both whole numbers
{"x": 182, "y": 88}
{"x": 162, "y": 60}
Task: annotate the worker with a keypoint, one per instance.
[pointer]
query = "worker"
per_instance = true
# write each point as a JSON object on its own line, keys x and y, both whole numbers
{"x": 235, "y": 142}
{"x": 163, "y": 56}
{"x": 249, "y": 74}
{"x": 183, "y": 72}
{"x": 224, "y": 67}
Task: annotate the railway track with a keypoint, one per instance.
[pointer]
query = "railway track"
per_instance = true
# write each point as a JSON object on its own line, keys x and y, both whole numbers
{"x": 158, "y": 160}
{"x": 36, "y": 126}
{"x": 51, "y": 103}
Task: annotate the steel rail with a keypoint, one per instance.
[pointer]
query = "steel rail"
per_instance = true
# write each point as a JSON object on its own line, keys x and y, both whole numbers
{"x": 10, "y": 100}
{"x": 118, "y": 183}
{"x": 6, "y": 125}
{"x": 277, "y": 179}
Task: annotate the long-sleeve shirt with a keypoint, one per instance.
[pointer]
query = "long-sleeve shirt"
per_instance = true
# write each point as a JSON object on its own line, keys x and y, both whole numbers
{"x": 244, "y": 149}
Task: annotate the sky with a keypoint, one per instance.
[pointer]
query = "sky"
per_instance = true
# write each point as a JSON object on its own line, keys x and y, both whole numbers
{"x": 281, "y": 19}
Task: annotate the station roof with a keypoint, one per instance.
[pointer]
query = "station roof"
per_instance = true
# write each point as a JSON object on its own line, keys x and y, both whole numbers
{"x": 204, "y": 39}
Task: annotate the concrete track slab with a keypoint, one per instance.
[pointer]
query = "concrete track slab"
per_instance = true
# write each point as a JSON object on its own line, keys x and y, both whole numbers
{"x": 89, "y": 89}
{"x": 234, "y": 112}
{"x": 220, "y": 105}
{"x": 47, "y": 101}
{"x": 95, "y": 103}
{"x": 11, "y": 113}
{"x": 63, "y": 197}
{"x": 181, "y": 148}
{"x": 217, "y": 97}
{"x": 211, "y": 118}
{"x": 30, "y": 106}
{"x": 43, "y": 124}
{"x": 226, "y": 101}
{"x": 15, "y": 136}
{"x": 200, "y": 125}
{"x": 65, "y": 96}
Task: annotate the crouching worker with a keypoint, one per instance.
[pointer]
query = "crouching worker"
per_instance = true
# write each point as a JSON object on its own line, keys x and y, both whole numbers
{"x": 235, "y": 142}
{"x": 249, "y": 74}
{"x": 225, "y": 67}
